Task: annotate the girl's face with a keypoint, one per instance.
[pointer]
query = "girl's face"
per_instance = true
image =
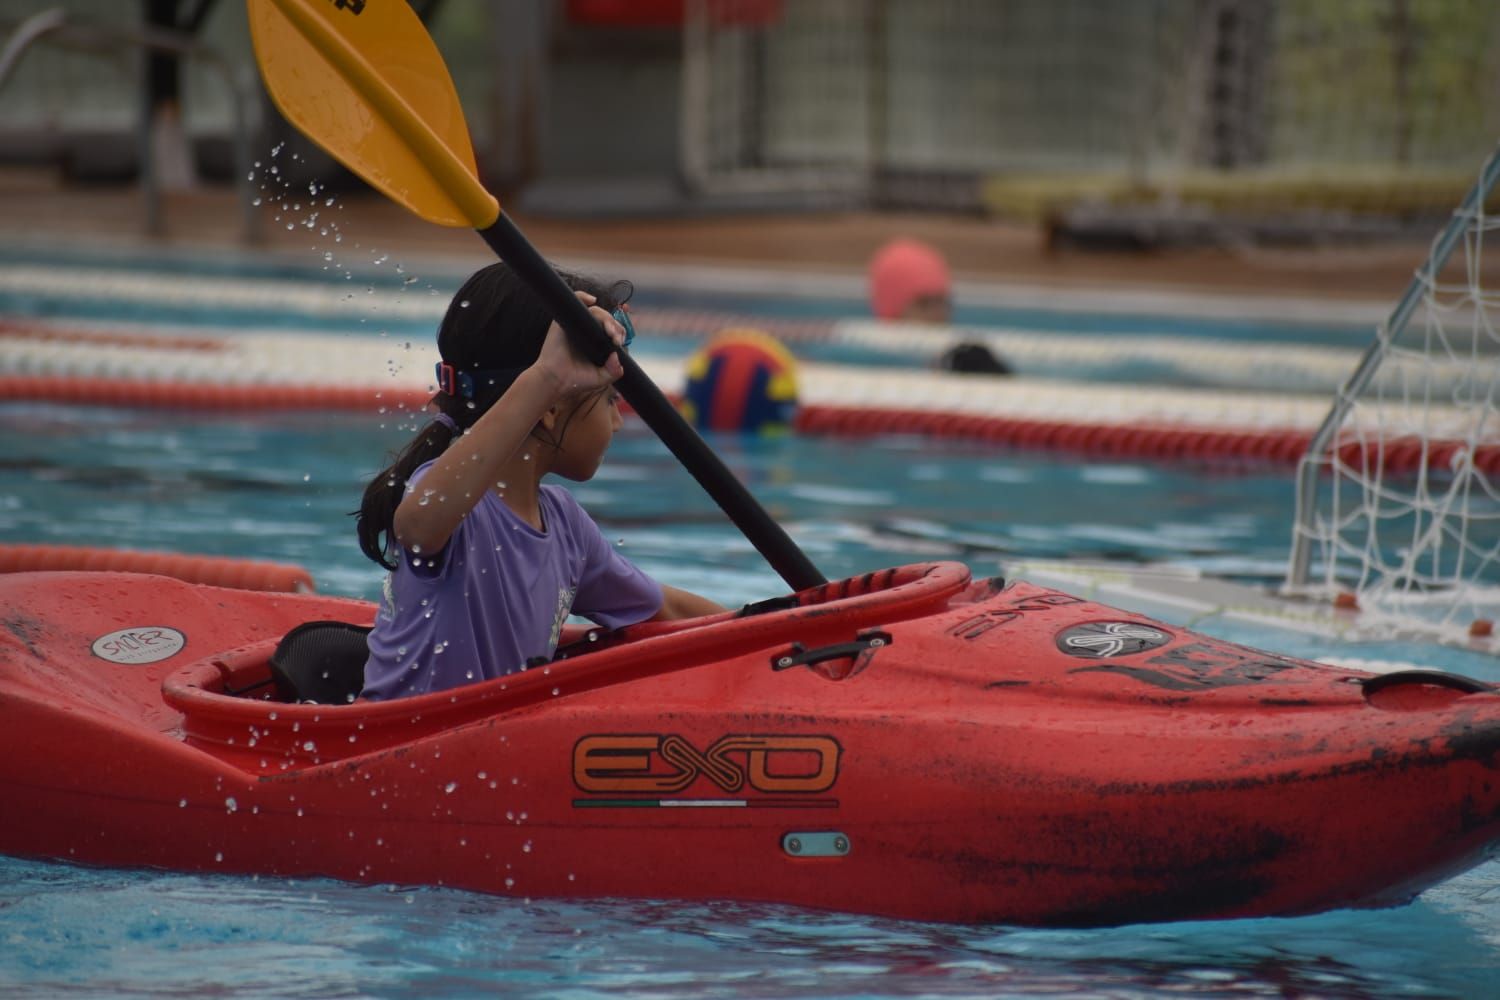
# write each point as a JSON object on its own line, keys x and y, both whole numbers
{"x": 589, "y": 429}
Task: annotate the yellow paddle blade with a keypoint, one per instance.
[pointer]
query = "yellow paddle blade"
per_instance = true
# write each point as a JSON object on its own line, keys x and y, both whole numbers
{"x": 363, "y": 79}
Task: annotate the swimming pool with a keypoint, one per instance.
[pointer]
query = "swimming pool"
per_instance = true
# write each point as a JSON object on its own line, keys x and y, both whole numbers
{"x": 280, "y": 487}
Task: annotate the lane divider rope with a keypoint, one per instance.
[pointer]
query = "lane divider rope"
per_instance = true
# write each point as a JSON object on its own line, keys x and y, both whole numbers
{"x": 264, "y": 371}
{"x": 1244, "y": 363}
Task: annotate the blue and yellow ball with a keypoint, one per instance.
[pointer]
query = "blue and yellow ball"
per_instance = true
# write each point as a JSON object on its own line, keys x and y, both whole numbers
{"x": 742, "y": 381}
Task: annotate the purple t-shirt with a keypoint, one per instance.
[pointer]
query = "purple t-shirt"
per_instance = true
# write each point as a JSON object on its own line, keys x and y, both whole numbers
{"x": 498, "y": 595}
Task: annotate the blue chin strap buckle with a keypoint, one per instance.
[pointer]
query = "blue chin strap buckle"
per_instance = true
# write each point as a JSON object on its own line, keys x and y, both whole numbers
{"x": 623, "y": 318}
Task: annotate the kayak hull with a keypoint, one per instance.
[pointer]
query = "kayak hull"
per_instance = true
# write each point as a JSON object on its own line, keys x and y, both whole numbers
{"x": 932, "y": 755}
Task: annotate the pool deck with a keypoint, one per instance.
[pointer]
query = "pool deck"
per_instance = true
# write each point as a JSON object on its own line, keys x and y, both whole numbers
{"x": 984, "y": 253}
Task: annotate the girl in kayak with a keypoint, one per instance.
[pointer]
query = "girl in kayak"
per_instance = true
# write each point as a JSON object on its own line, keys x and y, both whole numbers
{"x": 487, "y": 562}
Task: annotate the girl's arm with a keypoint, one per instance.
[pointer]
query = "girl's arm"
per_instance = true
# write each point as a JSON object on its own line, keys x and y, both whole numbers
{"x": 683, "y": 604}
{"x": 430, "y": 513}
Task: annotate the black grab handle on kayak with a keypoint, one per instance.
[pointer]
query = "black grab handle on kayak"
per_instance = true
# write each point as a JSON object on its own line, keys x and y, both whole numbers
{"x": 1435, "y": 678}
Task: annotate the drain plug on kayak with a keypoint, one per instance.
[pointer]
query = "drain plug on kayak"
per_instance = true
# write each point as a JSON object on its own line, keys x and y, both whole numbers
{"x": 829, "y": 844}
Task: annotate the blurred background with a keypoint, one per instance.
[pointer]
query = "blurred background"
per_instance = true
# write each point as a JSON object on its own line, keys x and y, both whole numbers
{"x": 1180, "y": 221}
{"x": 1089, "y": 123}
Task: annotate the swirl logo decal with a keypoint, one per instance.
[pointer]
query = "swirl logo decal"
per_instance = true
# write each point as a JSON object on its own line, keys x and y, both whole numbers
{"x": 1101, "y": 640}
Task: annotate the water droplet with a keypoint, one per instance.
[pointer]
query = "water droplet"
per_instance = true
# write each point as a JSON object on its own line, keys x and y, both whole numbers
{"x": 182, "y": 804}
{"x": 231, "y": 805}
{"x": 450, "y": 786}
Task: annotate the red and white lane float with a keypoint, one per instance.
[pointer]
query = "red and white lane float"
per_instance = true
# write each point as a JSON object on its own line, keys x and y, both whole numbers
{"x": 911, "y": 743}
{"x": 258, "y": 371}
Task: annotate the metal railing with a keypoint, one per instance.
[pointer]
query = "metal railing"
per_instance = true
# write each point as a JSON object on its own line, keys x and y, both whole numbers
{"x": 240, "y": 82}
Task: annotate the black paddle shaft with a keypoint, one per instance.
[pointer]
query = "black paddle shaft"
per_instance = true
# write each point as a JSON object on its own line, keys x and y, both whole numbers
{"x": 660, "y": 415}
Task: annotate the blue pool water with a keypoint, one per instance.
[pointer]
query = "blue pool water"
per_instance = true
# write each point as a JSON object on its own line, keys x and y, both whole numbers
{"x": 280, "y": 487}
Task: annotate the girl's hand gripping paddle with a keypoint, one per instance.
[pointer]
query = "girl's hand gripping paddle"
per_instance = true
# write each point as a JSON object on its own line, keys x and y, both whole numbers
{"x": 363, "y": 79}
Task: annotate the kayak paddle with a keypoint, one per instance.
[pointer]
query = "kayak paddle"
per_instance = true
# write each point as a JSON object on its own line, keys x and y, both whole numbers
{"x": 364, "y": 80}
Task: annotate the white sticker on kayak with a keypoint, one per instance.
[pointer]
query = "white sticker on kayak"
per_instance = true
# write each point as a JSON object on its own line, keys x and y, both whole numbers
{"x": 145, "y": 644}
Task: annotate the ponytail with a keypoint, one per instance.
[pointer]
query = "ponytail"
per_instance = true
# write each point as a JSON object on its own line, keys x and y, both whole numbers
{"x": 377, "y": 509}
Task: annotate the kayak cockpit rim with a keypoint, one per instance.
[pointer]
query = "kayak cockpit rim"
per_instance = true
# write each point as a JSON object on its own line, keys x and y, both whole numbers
{"x": 227, "y": 700}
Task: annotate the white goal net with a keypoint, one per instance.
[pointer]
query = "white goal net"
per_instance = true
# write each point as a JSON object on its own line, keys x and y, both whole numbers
{"x": 1398, "y": 496}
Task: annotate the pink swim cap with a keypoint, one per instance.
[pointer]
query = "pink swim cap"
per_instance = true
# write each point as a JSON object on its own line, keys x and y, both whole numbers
{"x": 905, "y": 270}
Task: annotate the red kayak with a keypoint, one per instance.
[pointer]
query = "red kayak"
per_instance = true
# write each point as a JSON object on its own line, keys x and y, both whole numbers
{"x": 908, "y": 743}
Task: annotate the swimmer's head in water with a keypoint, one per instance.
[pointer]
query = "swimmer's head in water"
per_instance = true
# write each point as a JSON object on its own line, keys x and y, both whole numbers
{"x": 909, "y": 280}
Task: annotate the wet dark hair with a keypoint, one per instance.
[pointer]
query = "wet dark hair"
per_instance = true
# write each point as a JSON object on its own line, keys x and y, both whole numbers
{"x": 494, "y": 325}
{"x": 972, "y": 359}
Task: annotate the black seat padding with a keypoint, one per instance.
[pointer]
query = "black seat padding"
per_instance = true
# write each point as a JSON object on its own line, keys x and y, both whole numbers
{"x": 321, "y": 662}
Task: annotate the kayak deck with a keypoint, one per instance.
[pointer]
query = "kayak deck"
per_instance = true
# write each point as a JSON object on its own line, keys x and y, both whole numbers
{"x": 909, "y": 743}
